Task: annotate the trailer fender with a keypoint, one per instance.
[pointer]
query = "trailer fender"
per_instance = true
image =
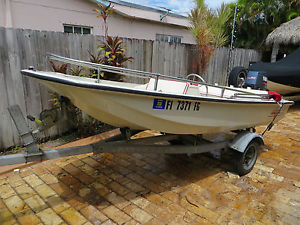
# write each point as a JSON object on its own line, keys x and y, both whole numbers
{"x": 243, "y": 139}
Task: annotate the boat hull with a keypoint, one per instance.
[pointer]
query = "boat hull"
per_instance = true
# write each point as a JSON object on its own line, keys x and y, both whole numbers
{"x": 282, "y": 88}
{"x": 169, "y": 114}
{"x": 283, "y": 75}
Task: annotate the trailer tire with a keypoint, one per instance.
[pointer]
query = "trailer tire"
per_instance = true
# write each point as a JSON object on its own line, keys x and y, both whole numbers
{"x": 237, "y": 76}
{"x": 245, "y": 161}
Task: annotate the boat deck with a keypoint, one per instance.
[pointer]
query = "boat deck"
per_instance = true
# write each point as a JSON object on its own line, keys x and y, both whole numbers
{"x": 195, "y": 89}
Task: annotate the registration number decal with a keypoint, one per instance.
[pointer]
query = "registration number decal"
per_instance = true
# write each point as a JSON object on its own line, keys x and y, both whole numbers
{"x": 180, "y": 105}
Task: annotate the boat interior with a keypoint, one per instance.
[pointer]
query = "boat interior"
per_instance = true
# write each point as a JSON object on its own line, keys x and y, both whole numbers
{"x": 193, "y": 84}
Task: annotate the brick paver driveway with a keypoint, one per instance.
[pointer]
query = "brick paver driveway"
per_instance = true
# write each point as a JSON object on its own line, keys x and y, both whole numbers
{"x": 159, "y": 189}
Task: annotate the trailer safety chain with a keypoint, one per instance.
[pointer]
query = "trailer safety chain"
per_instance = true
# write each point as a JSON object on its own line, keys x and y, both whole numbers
{"x": 269, "y": 127}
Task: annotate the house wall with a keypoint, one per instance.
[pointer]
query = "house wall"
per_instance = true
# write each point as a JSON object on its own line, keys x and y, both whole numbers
{"x": 2, "y": 13}
{"x": 5, "y": 13}
{"x": 143, "y": 29}
{"x": 51, "y": 15}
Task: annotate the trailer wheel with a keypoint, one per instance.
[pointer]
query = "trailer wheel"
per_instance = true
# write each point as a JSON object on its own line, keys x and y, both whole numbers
{"x": 237, "y": 76}
{"x": 244, "y": 162}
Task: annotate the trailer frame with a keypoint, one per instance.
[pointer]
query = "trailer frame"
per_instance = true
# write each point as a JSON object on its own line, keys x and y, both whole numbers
{"x": 122, "y": 142}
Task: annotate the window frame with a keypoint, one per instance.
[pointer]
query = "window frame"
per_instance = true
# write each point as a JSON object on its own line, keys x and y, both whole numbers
{"x": 168, "y": 38}
{"x": 77, "y": 26}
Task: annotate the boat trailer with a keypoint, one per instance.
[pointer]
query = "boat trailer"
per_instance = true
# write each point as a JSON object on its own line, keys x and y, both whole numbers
{"x": 245, "y": 145}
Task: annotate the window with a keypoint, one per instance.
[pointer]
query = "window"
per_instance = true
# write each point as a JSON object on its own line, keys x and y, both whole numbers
{"x": 168, "y": 38}
{"x": 77, "y": 29}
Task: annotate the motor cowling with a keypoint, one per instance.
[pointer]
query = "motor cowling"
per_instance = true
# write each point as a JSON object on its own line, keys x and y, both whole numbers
{"x": 256, "y": 80}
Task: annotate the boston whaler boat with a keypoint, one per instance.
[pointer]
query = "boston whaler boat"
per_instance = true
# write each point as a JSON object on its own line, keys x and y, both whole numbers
{"x": 171, "y": 105}
{"x": 165, "y": 103}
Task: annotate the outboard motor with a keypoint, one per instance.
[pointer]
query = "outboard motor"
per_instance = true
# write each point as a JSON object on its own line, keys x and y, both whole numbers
{"x": 256, "y": 80}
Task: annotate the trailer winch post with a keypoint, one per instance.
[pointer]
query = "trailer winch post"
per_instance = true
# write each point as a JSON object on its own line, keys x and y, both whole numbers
{"x": 32, "y": 151}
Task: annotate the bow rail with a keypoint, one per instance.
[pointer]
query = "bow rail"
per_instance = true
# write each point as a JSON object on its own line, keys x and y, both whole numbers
{"x": 144, "y": 74}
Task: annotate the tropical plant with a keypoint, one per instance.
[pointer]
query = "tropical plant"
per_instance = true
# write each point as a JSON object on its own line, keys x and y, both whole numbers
{"x": 218, "y": 25}
{"x": 110, "y": 51}
{"x": 103, "y": 12}
{"x": 55, "y": 99}
{"x": 95, "y": 57}
{"x": 77, "y": 71}
{"x": 257, "y": 18}
{"x": 59, "y": 68}
{"x": 114, "y": 54}
{"x": 208, "y": 28}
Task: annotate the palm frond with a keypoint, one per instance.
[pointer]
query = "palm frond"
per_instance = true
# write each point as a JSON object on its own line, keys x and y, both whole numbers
{"x": 208, "y": 28}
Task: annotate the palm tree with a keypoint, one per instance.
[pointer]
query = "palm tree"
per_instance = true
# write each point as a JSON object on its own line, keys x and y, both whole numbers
{"x": 257, "y": 18}
{"x": 208, "y": 28}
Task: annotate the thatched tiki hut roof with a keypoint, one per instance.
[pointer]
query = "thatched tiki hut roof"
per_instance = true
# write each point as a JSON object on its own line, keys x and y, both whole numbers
{"x": 287, "y": 33}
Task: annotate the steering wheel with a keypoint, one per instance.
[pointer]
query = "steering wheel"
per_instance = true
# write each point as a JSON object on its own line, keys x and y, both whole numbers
{"x": 194, "y": 75}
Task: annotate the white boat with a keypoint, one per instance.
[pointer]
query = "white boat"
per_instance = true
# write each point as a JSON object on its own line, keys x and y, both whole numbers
{"x": 164, "y": 103}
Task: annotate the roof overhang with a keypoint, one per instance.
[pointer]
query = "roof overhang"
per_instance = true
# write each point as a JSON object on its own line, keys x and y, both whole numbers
{"x": 131, "y": 10}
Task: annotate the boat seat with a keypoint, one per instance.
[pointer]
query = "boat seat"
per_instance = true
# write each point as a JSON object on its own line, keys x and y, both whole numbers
{"x": 168, "y": 86}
